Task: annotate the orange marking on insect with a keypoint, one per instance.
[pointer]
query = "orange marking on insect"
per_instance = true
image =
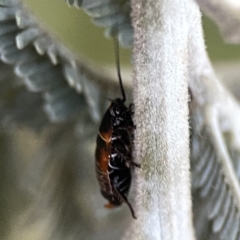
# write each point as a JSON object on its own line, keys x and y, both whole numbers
{"x": 106, "y": 136}
{"x": 104, "y": 159}
{"x": 109, "y": 205}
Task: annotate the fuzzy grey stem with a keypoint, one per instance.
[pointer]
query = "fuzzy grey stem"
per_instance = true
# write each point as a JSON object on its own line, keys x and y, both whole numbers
{"x": 163, "y": 202}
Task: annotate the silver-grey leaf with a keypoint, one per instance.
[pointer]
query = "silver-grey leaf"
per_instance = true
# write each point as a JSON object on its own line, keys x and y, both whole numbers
{"x": 110, "y": 14}
{"x": 17, "y": 105}
{"x": 47, "y": 67}
{"x": 216, "y": 210}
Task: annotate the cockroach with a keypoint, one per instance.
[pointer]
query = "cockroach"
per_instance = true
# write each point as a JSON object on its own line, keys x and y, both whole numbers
{"x": 113, "y": 154}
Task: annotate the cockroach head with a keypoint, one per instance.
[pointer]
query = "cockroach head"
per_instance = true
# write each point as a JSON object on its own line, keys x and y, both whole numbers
{"x": 117, "y": 107}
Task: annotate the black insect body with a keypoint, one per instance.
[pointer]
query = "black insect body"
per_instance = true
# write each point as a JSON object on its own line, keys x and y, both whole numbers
{"x": 114, "y": 152}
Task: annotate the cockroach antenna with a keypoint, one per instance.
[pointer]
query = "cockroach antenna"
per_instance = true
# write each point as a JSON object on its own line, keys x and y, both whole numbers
{"x": 117, "y": 60}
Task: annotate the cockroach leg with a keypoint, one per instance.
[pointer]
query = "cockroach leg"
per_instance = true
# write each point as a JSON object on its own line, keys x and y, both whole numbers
{"x": 124, "y": 198}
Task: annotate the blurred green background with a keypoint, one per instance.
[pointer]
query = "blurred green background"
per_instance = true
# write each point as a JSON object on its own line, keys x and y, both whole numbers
{"x": 76, "y": 30}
